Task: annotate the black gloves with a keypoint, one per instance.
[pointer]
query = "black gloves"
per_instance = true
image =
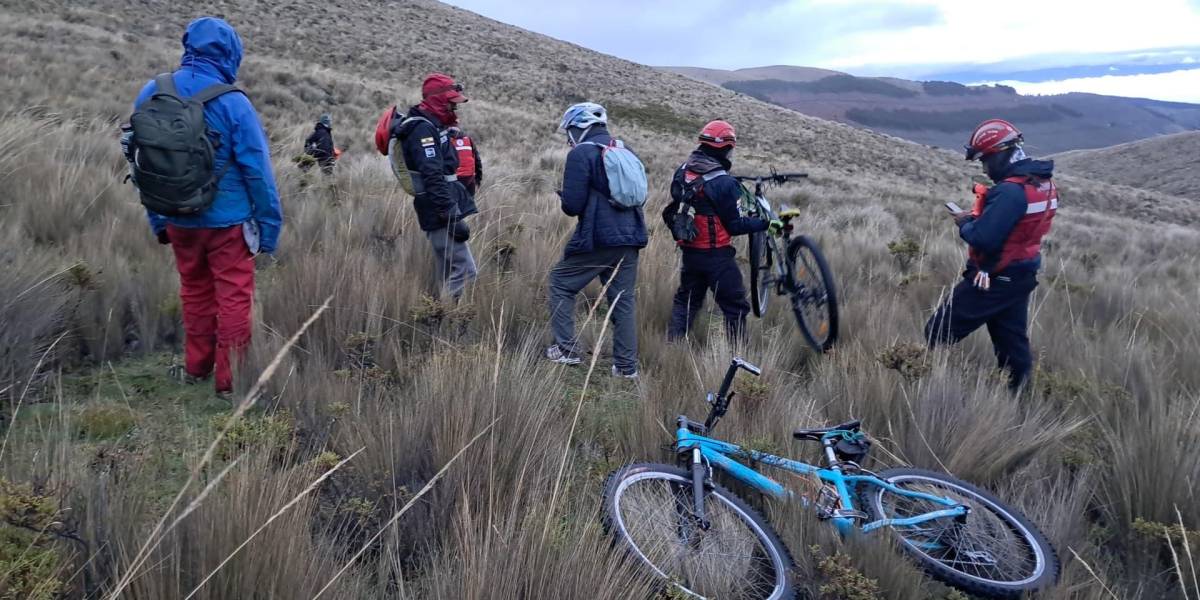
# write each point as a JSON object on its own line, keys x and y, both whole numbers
{"x": 460, "y": 231}
{"x": 162, "y": 237}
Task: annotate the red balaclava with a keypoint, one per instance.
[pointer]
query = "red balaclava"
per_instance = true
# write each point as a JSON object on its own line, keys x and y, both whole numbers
{"x": 440, "y": 93}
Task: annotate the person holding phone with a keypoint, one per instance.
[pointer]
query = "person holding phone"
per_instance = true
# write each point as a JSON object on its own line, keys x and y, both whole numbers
{"x": 1003, "y": 232}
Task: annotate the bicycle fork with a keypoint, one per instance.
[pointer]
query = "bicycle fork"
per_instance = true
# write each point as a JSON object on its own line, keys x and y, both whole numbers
{"x": 699, "y": 472}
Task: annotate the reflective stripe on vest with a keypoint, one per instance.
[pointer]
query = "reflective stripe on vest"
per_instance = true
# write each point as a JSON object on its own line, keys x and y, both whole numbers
{"x": 710, "y": 231}
{"x": 466, "y": 156}
{"x": 1025, "y": 240}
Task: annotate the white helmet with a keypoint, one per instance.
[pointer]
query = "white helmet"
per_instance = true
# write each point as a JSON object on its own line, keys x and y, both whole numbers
{"x": 583, "y": 115}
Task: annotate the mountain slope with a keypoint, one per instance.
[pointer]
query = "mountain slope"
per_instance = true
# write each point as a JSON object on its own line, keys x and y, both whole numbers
{"x": 1166, "y": 164}
{"x": 942, "y": 113}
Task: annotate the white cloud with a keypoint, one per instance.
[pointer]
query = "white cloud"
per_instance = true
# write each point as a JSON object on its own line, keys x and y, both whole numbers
{"x": 1177, "y": 86}
{"x": 850, "y": 33}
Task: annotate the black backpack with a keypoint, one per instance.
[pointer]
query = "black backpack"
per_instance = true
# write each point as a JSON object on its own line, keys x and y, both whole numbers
{"x": 683, "y": 221}
{"x": 171, "y": 151}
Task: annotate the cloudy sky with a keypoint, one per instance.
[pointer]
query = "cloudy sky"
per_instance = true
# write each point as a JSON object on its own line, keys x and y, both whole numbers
{"x": 914, "y": 38}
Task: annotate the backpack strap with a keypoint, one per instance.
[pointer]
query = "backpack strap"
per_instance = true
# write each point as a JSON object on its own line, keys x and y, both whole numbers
{"x": 165, "y": 84}
{"x": 212, "y": 91}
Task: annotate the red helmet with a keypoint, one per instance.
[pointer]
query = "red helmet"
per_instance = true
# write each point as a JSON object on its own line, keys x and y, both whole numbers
{"x": 992, "y": 136}
{"x": 718, "y": 134}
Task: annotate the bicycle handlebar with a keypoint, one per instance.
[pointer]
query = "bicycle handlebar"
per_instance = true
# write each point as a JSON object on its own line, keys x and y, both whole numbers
{"x": 773, "y": 177}
{"x": 721, "y": 402}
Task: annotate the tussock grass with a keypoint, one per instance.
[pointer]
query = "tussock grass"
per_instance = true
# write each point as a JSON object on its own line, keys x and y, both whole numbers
{"x": 1107, "y": 435}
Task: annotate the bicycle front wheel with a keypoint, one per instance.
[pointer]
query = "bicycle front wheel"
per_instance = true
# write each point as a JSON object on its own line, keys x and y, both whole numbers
{"x": 762, "y": 261}
{"x": 648, "y": 508}
{"x": 994, "y": 552}
{"x": 814, "y": 297}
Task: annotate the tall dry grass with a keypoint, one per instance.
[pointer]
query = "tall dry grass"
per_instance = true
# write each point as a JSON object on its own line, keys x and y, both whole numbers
{"x": 1101, "y": 452}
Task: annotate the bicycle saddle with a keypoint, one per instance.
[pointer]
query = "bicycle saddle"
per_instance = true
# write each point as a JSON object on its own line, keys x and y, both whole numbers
{"x": 816, "y": 434}
{"x": 789, "y": 213}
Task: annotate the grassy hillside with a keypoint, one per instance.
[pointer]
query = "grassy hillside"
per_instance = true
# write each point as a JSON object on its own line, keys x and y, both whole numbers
{"x": 1164, "y": 164}
{"x": 1103, "y": 453}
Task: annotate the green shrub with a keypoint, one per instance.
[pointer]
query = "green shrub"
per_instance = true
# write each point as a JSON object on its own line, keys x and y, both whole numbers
{"x": 842, "y": 580}
{"x": 29, "y": 562}
{"x": 271, "y": 431}
{"x": 105, "y": 420}
{"x": 909, "y": 359}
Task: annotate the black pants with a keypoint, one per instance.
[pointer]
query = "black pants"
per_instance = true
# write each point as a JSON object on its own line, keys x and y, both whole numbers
{"x": 1004, "y": 309}
{"x": 715, "y": 270}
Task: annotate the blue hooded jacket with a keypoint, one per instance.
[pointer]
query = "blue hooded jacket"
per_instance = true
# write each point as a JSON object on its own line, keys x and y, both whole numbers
{"x": 212, "y": 53}
{"x": 585, "y": 195}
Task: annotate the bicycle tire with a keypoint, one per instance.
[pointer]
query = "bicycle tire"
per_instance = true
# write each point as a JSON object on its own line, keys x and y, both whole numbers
{"x": 1044, "y": 572}
{"x": 762, "y": 260}
{"x": 616, "y": 490}
{"x": 815, "y": 292}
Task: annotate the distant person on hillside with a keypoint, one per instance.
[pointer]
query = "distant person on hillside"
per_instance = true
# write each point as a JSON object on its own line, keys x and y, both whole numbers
{"x": 703, "y": 217}
{"x": 319, "y": 144}
{"x": 470, "y": 167}
{"x": 439, "y": 198}
{"x": 604, "y": 247}
{"x": 1004, "y": 234}
{"x": 216, "y": 225}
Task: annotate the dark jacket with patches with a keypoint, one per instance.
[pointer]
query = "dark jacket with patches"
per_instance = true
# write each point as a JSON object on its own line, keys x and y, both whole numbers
{"x": 319, "y": 145}
{"x": 585, "y": 196}
{"x": 1004, "y": 205}
{"x": 429, "y": 152}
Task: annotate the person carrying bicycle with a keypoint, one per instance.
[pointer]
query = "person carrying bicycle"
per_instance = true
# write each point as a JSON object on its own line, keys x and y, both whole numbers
{"x": 703, "y": 218}
{"x": 1004, "y": 234}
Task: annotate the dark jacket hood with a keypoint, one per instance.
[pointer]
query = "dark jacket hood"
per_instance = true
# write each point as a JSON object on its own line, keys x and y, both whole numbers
{"x": 1024, "y": 168}
{"x": 700, "y": 162}
{"x": 1037, "y": 168}
{"x": 212, "y": 45}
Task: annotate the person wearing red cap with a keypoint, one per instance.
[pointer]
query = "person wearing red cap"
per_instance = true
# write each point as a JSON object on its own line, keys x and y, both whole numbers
{"x": 439, "y": 198}
{"x": 703, "y": 217}
{"x": 1004, "y": 234}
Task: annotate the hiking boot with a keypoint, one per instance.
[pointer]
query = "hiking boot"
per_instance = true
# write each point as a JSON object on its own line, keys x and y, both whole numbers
{"x": 556, "y": 354}
{"x": 624, "y": 374}
{"x": 180, "y": 374}
{"x": 227, "y": 396}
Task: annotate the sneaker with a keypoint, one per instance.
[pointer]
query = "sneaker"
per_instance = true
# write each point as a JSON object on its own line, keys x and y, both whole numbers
{"x": 631, "y": 374}
{"x": 227, "y": 396}
{"x": 556, "y": 354}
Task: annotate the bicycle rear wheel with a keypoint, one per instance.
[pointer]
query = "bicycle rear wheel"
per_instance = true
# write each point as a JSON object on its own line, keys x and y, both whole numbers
{"x": 762, "y": 262}
{"x": 648, "y": 509}
{"x": 813, "y": 295}
{"x": 995, "y": 552}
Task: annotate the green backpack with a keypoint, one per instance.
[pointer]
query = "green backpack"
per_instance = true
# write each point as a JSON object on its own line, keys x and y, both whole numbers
{"x": 171, "y": 152}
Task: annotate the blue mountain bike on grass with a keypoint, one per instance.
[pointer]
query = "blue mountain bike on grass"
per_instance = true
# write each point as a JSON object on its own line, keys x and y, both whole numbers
{"x": 706, "y": 542}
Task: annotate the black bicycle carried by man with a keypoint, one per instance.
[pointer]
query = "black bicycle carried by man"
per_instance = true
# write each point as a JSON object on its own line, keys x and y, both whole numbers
{"x": 799, "y": 271}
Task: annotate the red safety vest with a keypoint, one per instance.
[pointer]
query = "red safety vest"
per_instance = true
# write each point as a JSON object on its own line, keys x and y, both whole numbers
{"x": 710, "y": 231}
{"x": 466, "y": 156}
{"x": 1025, "y": 241}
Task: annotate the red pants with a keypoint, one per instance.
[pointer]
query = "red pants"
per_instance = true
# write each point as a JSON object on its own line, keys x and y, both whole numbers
{"x": 216, "y": 276}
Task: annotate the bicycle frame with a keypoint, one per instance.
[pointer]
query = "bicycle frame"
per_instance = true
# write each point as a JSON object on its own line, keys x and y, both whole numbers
{"x": 720, "y": 454}
{"x": 782, "y": 268}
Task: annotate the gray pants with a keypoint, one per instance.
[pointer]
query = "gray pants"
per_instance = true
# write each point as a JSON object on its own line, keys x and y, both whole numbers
{"x": 573, "y": 273}
{"x": 454, "y": 265}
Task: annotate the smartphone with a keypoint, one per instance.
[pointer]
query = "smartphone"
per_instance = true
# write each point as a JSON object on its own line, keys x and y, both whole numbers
{"x": 954, "y": 208}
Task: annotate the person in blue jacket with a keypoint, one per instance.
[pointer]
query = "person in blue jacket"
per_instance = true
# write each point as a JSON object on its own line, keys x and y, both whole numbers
{"x": 604, "y": 246}
{"x": 214, "y": 250}
{"x": 1003, "y": 232}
